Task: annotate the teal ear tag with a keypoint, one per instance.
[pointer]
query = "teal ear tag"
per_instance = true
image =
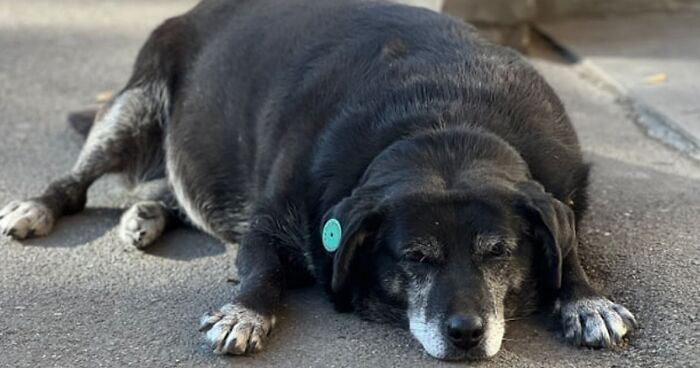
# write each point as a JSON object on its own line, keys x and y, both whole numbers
{"x": 332, "y": 232}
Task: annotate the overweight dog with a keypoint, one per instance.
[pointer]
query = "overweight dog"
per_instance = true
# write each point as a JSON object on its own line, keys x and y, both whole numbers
{"x": 424, "y": 176}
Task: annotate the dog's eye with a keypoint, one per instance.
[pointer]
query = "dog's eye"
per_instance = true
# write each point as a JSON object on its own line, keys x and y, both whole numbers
{"x": 499, "y": 250}
{"x": 415, "y": 256}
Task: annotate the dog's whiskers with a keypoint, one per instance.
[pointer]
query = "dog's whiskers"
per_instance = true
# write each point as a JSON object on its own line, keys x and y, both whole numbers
{"x": 510, "y": 339}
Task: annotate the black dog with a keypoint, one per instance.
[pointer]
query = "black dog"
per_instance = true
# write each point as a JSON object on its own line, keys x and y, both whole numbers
{"x": 424, "y": 175}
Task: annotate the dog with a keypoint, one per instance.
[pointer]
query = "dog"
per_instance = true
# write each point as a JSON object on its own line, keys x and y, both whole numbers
{"x": 424, "y": 176}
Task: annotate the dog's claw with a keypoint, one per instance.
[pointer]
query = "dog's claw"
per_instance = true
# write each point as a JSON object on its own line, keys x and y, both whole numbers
{"x": 627, "y": 316}
{"x": 235, "y": 329}
{"x": 596, "y": 322}
{"x": 142, "y": 224}
{"x": 209, "y": 320}
{"x": 21, "y": 220}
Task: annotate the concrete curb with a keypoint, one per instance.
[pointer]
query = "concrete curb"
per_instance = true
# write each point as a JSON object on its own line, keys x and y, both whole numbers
{"x": 654, "y": 123}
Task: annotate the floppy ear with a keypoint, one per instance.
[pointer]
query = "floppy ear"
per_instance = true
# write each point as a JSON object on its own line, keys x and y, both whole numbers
{"x": 553, "y": 226}
{"x": 359, "y": 217}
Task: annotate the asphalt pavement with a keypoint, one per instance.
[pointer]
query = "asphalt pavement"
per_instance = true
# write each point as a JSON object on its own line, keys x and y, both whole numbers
{"x": 79, "y": 298}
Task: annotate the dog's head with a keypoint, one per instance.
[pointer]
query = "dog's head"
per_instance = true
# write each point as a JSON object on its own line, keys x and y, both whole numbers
{"x": 447, "y": 260}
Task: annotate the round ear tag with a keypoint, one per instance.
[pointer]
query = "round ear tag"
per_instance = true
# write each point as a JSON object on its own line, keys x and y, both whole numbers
{"x": 332, "y": 232}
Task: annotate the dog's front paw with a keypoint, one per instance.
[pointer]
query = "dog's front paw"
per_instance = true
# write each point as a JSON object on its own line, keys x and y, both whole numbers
{"x": 142, "y": 224}
{"x": 596, "y": 322}
{"x": 235, "y": 329}
{"x": 26, "y": 219}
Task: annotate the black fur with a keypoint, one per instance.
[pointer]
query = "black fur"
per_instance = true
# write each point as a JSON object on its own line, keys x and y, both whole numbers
{"x": 403, "y": 124}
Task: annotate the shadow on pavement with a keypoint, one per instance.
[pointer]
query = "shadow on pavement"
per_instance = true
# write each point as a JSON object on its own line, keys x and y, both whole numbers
{"x": 185, "y": 244}
{"x": 180, "y": 243}
{"x": 80, "y": 229}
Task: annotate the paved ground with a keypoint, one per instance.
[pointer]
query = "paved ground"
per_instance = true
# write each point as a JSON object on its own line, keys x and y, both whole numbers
{"x": 652, "y": 58}
{"x": 80, "y": 299}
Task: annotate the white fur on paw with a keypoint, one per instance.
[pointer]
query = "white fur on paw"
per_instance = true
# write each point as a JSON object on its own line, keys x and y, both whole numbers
{"x": 25, "y": 219}
{"x": 235, "y": 329}
{"x": 142, "y": 224}
{"x": 596, "y": 322}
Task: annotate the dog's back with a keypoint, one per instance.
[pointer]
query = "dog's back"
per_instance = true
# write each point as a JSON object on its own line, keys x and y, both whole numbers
{"x": 281, "y": 72}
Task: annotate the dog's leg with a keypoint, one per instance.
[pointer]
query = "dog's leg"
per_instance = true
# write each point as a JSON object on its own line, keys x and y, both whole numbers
{"x": 110, "y": 146}
{"x": 588, "y": 318}
{"x": 270, "y": 259}
{"x": 146, "y": 220}
{"x": 241, "y": 326}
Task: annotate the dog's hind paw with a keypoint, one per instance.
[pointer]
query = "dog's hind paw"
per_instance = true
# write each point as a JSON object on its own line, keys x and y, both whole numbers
{"x": 26, "y": 219}
{"x": 143, "y": 223}
{"x": 235, "y": 329}
{"x": 596, "y": 322}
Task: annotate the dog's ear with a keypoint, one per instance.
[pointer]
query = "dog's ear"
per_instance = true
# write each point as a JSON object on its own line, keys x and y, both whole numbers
{"x": 552, "y": 225}
{"x": 359, "y": 216}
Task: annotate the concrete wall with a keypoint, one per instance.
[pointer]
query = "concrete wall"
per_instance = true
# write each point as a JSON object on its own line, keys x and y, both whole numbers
{"x": 507, "y": 21}
{"x": 503, "y": 21}
{"x": 549, "y": 9}
{"x": 506, "y": 12}
{"x": 510, "y": 12}
{"x": 430, "y": 4}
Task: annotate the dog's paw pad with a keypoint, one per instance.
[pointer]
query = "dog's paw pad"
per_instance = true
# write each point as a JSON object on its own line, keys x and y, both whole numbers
{"x": 596, "y": 322}
{"x": 235, "y": 329}
{"x": 25, "y": 219}
{"x": 142, "y": 224}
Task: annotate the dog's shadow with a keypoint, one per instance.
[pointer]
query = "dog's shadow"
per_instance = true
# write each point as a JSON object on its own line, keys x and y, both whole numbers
{"x": 78, "y": 230}
{"x": 185, "y": 243}
{"x": 95, "y": 223}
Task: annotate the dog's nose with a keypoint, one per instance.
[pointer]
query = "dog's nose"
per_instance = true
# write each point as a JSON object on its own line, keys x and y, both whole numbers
{"x": 465, "y": 331}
